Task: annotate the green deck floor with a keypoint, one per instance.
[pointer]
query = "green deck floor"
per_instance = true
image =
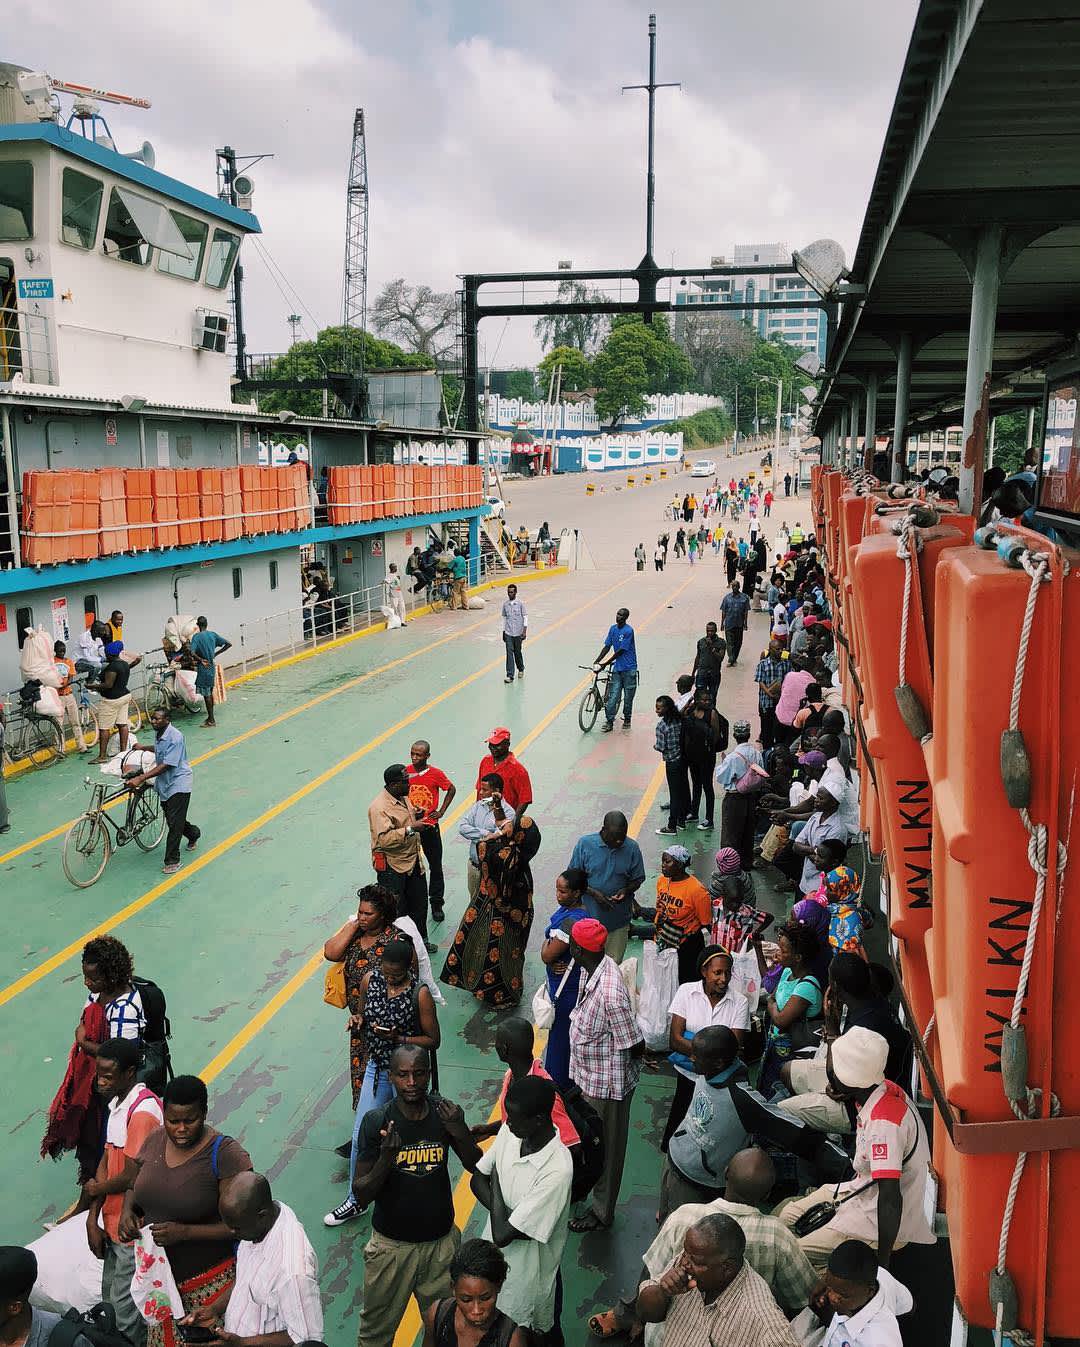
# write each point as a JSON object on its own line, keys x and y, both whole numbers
{"x": 285, "y": 845}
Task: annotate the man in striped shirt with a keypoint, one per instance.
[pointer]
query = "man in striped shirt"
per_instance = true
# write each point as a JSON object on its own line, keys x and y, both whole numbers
{"x": 710, "y": 1294}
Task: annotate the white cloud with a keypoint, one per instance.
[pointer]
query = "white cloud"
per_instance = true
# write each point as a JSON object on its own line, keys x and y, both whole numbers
{"x": 497, "y": 137}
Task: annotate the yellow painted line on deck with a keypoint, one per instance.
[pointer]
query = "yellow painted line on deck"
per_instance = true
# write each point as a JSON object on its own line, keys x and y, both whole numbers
{"x": 49, "y": 965}
{"x": 256, "y": 730}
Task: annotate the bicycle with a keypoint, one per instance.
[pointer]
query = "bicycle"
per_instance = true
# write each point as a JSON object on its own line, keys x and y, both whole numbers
{"x": 88, "y": 721}
{"x": 441, "y": 594}
{"x": 87, "y": 845}
{"x": 161, "y": 693}
{"x": 593, "y": 701}
{"x": 33, "y": 738}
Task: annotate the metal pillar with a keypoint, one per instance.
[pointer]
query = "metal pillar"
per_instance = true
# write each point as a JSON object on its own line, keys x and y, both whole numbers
{"x": 984, "y": 299}
{"x": 990, "y": 442}
{"x": 900, "y": 409}
{"x": 1029, "y": 438}
{"x": 470, "y": 321}
{"x": 853, "y": 433}
{"x": 12, "y": 483}
{"x": 870, "y": 425}
{"x": 474, "y": 549}
{"x": 841, "y": 443}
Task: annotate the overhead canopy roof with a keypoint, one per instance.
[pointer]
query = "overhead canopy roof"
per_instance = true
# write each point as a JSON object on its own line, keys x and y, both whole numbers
{"x": 985, "y": 130}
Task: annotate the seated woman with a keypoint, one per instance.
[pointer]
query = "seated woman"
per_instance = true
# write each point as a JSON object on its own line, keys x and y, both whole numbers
{"x": 470, "y": 1315}
{"x": 737, "y": 924}
{"x": 711, "y": 1000}
{"x": 796, "y": 1002}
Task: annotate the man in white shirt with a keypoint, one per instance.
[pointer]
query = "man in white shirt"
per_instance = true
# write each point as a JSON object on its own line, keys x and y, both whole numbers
{"x": 275, "y": 1300}
{"x": 91, "y": 649}
{"x": 856, "y": 1304}
{"x": 524, "y": 1182}
{"x": 884, "y": 1204}
{"x": 515, "y": 620}
{"x": 479, "y": 825}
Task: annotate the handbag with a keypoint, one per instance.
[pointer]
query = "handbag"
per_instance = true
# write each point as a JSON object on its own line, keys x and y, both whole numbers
{"x": 821, "y": 1213}
{"x": 774, "y": 839}
{"x": 334, "y": 986}
{"x": 543, "y": 1007}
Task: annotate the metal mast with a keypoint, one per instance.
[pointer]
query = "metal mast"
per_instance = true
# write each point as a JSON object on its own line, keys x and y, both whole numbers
{"x": 354, "y": 311}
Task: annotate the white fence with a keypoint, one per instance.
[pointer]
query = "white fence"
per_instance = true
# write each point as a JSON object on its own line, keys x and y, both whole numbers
{"x": 506, "y": 413}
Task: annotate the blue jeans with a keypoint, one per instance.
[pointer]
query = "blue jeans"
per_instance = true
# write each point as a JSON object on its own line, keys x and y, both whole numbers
{"x": 374, "y": 1092}
{"x": 622, "y": 684}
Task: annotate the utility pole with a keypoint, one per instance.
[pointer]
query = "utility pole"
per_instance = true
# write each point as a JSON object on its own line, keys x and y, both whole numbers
{"x": 227, "y": 175}
{"x": 648, "y": 264}
{"x": 354, "y": 303}
{"x": 779, "y": 410}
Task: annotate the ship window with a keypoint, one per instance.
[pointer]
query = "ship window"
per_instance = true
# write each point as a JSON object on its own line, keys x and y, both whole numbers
{"x": 80, "y": 209}
{"x": 135, "y": 225}
{"x": 24, "y": 617}
{"x": 237, "y": 582}
{"x": 194, "y": 235}
{"x": 16, "y": 199}
{"x": 273, "y": 575}
{"x": 223, "y": 250}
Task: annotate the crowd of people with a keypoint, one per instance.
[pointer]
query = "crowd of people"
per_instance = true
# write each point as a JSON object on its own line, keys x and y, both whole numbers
{"x": 774, "y": 1019}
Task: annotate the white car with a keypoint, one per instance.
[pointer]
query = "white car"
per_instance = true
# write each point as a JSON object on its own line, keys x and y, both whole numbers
{"x": 498, "y": 506}
{"x": 704, "y": 467}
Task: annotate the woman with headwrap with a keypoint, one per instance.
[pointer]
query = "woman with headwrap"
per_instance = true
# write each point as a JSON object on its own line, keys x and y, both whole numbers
{"x": 683, "y": 911}
{"x": 737, "y": 924}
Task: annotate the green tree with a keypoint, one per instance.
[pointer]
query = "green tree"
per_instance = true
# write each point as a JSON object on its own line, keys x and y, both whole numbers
{"x": 1010, "y": 439}
{"x": 637, "y": 359}
{"x": 583, "y": 331}
{"x": 333, "y": 351}
{"x": 521, "y": 383}
{"x": 576, "y": 370}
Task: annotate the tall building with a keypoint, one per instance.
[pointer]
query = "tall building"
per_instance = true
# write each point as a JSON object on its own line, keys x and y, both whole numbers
{"x": 802, "y": 328}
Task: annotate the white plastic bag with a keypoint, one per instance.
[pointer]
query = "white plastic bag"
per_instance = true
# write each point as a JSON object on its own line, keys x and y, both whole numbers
{"x": 178, "y": 629}
{"x": 543, "y": 1007}
{"x": 49, "y": 704}
{"x": 659, "y": 983}
{"x": 392, "y": 619}
{"x": 475, "y": 603}
{"x": 68, "y": 1273}
{"x": 185, "y": 687}
{"x": 746, "y": 977}
{"x": 36, "y": 659}
{"x": 411, "y": 931}
{"x": 153, "y": 1287}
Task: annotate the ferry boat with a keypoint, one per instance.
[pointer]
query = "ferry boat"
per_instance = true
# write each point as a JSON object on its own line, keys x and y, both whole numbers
{"x": 117, "y": 409}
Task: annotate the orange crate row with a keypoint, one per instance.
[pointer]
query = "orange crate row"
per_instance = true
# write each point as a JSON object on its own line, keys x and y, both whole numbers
{"x": 388, "y": 491}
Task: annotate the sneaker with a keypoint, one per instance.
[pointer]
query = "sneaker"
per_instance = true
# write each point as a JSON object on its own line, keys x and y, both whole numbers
{"x": 508, "y": 680}
{"x": 348, "y": 1211}
{"x": 438, "y": 913}
{"x": 608, "y": 726}
{"x": 666, "y": 832}
{"x": 626, "y": 724}
{"x": 431, "y": 949}
{"x": 195, "y": 840}
{"x": 706, "y": 827}
{"x": 170, "y": 869}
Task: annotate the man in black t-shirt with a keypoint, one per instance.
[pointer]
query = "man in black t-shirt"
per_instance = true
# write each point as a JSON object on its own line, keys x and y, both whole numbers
{"x": 402, "y": 1156}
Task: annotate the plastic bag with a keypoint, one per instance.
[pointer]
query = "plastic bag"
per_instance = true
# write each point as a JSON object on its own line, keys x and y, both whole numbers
{"x": 475, "y": 603}
{"x": 746, "y": 977}
{"x": 659, "y": 983}
{"x": 179, "y": 629}
{"x": 153, "y": 1287}
{"x": 36, "y": 660}
{"x": 184, "y": 683}
{"x": 392, "y": 619}
{"x": 49, "y": 704}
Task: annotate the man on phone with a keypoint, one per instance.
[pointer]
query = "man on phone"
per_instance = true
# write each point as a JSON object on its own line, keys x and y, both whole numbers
{"x": 402, "y": 1159}
{"x": 484, "y": 822}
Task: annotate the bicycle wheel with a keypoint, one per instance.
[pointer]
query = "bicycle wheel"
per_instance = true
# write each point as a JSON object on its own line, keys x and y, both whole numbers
{"x": 589, "y": 709}
{"x": 134, "y": 717}
{"x": 87, "y": 849}
{"x": 155, "y": 698}
{"x": 88, "y": 721}
{"x": 146, "y": 821}
{"x": 44, "y": 742}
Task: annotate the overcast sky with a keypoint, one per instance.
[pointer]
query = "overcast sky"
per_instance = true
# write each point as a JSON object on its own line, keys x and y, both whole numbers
{"x": 497, "y": 136}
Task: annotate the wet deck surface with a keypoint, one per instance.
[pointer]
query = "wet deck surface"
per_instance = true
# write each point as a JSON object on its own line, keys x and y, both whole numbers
{"x": 235, "y": 938}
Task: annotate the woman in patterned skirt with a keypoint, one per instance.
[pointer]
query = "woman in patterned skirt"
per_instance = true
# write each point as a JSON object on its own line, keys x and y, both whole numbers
{"x": 487, "y": 956}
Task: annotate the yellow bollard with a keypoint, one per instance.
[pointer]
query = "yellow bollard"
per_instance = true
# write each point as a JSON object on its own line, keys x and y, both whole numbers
{"x": 663, "y": 473}
{"x": 648, "y": 478}
{"x": 590, "y": 488}
{"x": 629, "y": 481}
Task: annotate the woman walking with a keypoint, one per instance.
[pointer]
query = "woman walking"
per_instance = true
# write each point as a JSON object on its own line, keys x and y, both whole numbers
{"x": 487, "y": 956}
{"x": 669, "y": 746}
{"x": 704, "y": 735}
{"x": 555, "y": 952}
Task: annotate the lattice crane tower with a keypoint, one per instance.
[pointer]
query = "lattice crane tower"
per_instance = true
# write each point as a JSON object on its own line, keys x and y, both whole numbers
{"x": 354, "y": 313}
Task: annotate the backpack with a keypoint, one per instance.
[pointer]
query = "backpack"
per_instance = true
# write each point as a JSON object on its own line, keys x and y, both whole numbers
{"x": 156, "y": 1069}
{"x": 97, "y": 1325}
{"x": 588, "y": 1158}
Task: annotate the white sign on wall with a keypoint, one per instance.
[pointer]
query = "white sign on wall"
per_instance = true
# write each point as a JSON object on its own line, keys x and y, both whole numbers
{"x": 61, "y": 630}
{"x": 163, "y": 448}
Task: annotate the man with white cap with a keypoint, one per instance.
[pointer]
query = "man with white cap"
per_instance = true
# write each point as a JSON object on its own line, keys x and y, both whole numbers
{"x": 884, "y": 1204}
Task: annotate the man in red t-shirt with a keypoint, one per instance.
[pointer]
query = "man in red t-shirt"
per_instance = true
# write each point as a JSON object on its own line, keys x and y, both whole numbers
{"x": 517, "y": 788}
{"x": 425, "y": 784}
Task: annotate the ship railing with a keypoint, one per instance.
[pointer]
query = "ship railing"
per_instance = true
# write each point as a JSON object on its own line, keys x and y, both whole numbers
{"x": 25, "y": 347}
{"x": 306, "y": 627}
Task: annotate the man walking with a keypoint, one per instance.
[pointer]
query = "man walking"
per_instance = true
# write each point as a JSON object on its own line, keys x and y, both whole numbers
{"x": 787, "y": 483}
{"x": 709, "y": 659}
{"x": 395, "y": 828}
{"x": 402, "y": 1168}
{"x": 516, "y": 786}
{"x": 172, "y": 777}
{"x": 735, "y": 615}
{"x": 624, "y": 673}
{"x": 615, "y": 870}
{"x": 425, "y": 785}
{"x": 206, "y": 646}
{"x": 606, "y": 1049}
{"x": 515, "y": 619}
{"x": 766, "y": 503}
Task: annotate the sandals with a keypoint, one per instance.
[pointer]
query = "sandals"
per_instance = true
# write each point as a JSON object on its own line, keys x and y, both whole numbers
{"x": 582, "y": 1225}
{"x": 606, "y": 1325}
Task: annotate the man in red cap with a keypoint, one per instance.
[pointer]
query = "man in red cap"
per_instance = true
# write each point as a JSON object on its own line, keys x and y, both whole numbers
{"x": 606, "y": 1048}
{"x": 517, "y": 788}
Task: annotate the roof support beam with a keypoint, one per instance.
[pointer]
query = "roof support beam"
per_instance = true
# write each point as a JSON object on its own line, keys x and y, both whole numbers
{"x": 900, "y": 408}
{"x": 986, "y": 280}
{"x": 870, "y": 430}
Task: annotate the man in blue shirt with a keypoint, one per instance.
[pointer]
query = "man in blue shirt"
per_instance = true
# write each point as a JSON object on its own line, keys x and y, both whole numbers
{"x": 206, "y": 646}
{"x": 624, "y": 674}
{"x": 612, "y": 861}
{"x": 734, "y": 614}
{"x": 172, "y": 778}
